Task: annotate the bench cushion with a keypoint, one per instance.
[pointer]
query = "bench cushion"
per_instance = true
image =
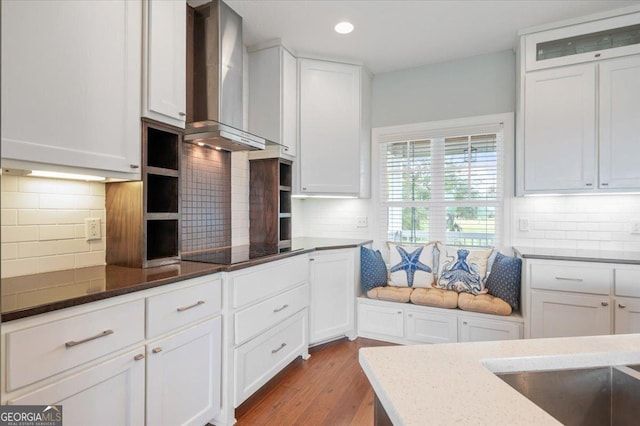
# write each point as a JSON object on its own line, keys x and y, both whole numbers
{"x": 484, "y": 303}
{"x": 391, "y": 294}
{"x": 436, "y": 297}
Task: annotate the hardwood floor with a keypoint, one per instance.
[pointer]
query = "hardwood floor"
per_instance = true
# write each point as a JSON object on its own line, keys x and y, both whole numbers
{"x": 328, "y": 389}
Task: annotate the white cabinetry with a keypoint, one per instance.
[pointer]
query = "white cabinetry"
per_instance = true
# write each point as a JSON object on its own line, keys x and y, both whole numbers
{"x": 431, "y": 327}
{"x": 71, "y": 86}
{"x": 332, "y": 282}
{"x": 164, "y": 66}
{"x": 380, "y": 321}
{"x": 481, "y": 330}
{"x": 627, "y": 315}
{"x": 579, "y": 128}
{"x": 334, "y": 120}
{"x": 273, "y": 94}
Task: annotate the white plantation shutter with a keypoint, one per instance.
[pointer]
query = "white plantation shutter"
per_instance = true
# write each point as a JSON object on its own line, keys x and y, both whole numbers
{"x": 443, "y": 185}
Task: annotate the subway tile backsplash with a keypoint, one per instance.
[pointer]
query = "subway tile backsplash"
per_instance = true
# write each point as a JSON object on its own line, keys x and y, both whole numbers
{"x": 43, "y": 224}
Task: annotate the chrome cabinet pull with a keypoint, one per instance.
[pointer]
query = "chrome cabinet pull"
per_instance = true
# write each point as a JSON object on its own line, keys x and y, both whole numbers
{"x": 184, "y": 308}
{"x": 273, "y": 351}
{"x": 73, "y": 343}
{"x": 134, "y": 166}
{"x": 312, "y": 260}
{"x": 280, "y": 309}
{"x": 138, "y": 357}
{"x": 464, "y": 323}
{"x": 604, "y": 303}
{"x": 156, "y": 350}
{"x": 399, "y": 312}
{"x": 578, "y": 280}
{"x": 604, "y": 184}
{"x": 182, "y": 114}
{"x": 621, "y": 306}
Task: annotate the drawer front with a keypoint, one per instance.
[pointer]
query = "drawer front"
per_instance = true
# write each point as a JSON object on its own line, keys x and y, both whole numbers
{"x": 484, "y": 330}
{"x": 579, "y": 277}
{"x": 628, "y": 282}
{"x": 39, "y": 352}
{"x": 254, "y": 284}
{"x": 260, "y": 359}
{"x": 264, "y": 315}
{"x": 178, "y": 308}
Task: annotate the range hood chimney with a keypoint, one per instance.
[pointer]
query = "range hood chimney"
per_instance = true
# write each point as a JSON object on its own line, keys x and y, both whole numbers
{"x": 214, "y": 79}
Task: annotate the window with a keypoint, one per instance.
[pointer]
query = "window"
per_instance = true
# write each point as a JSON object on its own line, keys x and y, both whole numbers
{"x": 443, "y": 185}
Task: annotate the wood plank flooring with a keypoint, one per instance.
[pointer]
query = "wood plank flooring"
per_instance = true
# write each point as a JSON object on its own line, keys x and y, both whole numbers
{"x": 328, "y": 389}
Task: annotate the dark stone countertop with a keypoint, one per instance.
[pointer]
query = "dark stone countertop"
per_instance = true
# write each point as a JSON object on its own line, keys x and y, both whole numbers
{"x": 29, "y": 295}
{"x": 579, "y": 255}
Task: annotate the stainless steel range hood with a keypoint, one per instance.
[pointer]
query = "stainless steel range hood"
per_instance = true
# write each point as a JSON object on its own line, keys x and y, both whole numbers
{"x": 214, "y": 79}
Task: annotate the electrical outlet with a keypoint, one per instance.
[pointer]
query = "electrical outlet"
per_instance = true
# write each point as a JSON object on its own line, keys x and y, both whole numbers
{"x": 362, "y": 221}
{"x": 92, "y": 228}
{"x": 635, "y": 226}
{"x": 524, "y": 224}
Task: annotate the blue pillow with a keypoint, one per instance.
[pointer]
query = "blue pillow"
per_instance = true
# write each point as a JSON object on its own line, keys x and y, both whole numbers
{"x": 373, "y": 271}
{"x": 504, "y": 279}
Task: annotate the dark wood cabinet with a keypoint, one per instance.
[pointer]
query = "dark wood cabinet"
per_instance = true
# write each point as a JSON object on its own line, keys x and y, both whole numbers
{"x": 270, "y": 202}
{"x": 143, "y": 227}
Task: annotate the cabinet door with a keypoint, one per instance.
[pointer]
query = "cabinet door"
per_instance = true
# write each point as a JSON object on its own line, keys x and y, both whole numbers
{"x": 166, "y": 47}
{"x": 380, "y": 321}
{"x": 482, "y": 330}
{"x": 620, "y": 123}
{"x": 329, "y": 127}
{"x": 71, "y": 84}
{"x": 428, "y": 327}
{"x": 111, "y": 393}
{"x": 289, "y": 103}
{"x": 627, "y": 315}
{"x": 568, "y": 315}
{"x": 559, "y": 129}
{"x": 332, "y": 281}
{"x": 183, "y": 376}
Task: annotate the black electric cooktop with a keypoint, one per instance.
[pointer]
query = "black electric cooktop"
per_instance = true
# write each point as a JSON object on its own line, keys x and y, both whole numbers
{"x": 235, "y": 254}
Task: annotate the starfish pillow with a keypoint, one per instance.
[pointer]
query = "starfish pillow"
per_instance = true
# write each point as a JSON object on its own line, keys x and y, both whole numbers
{"x": 411, "y": 265}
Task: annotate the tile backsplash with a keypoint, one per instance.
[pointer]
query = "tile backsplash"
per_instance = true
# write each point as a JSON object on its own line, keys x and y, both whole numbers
{"x": 43, "y": 224}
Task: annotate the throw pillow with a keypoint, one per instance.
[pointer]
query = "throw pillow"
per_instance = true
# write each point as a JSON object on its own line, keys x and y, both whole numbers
{"x": 463, "y": 269}
{"x": 411, "y": 265}
{"x": 504, "y": 280}
{"x": 373, "y": 271}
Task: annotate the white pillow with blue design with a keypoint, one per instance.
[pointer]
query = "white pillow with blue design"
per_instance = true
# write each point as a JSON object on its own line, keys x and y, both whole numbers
{"x": 462, "y": 269}
{"x": 373, "y": 271}
{"x": 411, "y": 265}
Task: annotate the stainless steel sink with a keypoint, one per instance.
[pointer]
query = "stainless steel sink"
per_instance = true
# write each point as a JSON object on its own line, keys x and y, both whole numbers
{"x": 592, "y": 396}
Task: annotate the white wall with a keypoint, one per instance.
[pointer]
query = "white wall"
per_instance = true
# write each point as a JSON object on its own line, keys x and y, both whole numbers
{"x": 480, "y": 85}
{"x": 330, "y": 218}
{"x": 43, "y": 224}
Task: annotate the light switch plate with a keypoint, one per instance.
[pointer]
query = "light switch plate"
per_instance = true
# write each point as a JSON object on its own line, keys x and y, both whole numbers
{"x": 92, "y": 228}
{"x": 524, "y": 224}
{"x": 635, "y": 226}
{"x": 362, "y": 221}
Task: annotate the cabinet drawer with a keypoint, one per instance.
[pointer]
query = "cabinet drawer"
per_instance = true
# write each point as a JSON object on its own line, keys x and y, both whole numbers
{"x": 628, "y": 282}
{"x": 260, "y": 359}
{"x": 260, "y": 317}
{"x": 178, "y": 308}
{"x": 254, "y": 284}
{"x": 579, "y": 277}
{"x": 39, "y": 352}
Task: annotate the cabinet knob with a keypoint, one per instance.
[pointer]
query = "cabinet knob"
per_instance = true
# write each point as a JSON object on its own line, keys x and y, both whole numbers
{"x": 399, "y": 312}
{"x": 464, "y": 323}
{"x": 588, "y": 184}
{"x": 182, "y": 114}
{"x": 157, "y": 350}
{"x": 604, "y": 184}
{"x": 138, "y": 357}
{"x": 312, "y": 260}
{"x": 604, "y": 303}
{"x": 304, "y": 189}
{"x": 134, "y": 166}
{"x": 621, "y": 306}
{"x": 597, "y": 55}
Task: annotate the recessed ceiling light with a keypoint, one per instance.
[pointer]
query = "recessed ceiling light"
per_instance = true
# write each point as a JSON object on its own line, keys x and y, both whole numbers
{"x": 344, "y": 27}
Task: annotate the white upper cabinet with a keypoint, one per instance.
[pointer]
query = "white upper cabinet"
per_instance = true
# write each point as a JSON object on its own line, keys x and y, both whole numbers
{"x": 164, "y": 67}
{"x": 560, "y": 142}
{"x": 71, "y": 85}
{"x": 620, "y": 123}
{"x": 273, "y": 94}
{"x": 333, "y": 119}
{"x": 578, "y": 130}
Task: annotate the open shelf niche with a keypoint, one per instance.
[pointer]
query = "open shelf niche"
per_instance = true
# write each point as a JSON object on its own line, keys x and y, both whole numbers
{"x": 143, "y": 218}
{"x": 270, "y": 202}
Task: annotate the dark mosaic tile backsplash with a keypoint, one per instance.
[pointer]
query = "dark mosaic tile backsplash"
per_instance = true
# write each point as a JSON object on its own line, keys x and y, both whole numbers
{"x": 206, "y": 198}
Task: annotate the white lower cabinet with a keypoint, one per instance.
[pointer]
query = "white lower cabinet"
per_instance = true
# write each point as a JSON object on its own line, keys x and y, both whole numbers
{"x": 380, "y": 322}
{"x": 332, "y": 283}
{"x": 183, "y": 376}
{"x": 557, "y": 314}
{"x": 110, "y": 393}
{"x": 429, "y": 327}
{"x": 260, "y": 359}
{"x": 483, "y": 330}
{"x": 627, "y": 318}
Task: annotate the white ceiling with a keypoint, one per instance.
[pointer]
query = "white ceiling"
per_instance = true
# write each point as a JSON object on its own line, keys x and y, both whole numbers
{"x": 393, "y": 35}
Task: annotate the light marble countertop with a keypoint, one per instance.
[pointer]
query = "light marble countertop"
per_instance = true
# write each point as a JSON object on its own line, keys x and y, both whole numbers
{"x": 579, "y": 255}
{"x": 455, "y": 383}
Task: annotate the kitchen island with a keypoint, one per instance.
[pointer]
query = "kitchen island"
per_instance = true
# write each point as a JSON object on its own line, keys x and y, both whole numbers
{"x": 456, "y": 384}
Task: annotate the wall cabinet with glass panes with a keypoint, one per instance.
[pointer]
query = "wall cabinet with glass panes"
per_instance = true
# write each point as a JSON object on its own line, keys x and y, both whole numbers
{"x": 578, "y": 130}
